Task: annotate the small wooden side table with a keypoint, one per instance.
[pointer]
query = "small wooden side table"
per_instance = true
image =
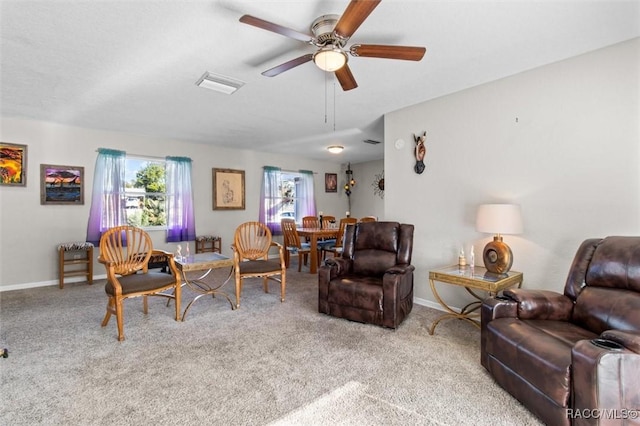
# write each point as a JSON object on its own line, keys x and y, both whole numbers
{"x": 75, "y": 259}
{"x": 208, "y": 244}
{"x": 472, "y": 279}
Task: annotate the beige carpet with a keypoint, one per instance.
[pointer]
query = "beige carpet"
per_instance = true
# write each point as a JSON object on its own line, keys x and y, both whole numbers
{"x": 268, "y": 363}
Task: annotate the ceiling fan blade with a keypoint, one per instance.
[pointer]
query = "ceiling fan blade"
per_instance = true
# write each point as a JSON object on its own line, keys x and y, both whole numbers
{"x": 407, "y": 53}
{"x": 345, "y": 78}
{"x": 288, "y": 65}
{"x": 270, "y": 26}
{"x": 353, "y": 16}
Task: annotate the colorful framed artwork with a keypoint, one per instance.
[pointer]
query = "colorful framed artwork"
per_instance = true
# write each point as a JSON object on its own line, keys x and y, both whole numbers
{"x": 13, "y": 164}
{"x": 228, "y": 189}
{"x": 330, "y": 182}
{"x": 61, "y": 184}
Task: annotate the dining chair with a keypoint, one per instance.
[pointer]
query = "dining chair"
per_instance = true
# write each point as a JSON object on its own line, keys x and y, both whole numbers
{"x": 336, "y": 248}
{"x": 368, "y": 219}
{"x": 125, "y": 252}
{"x": 251, "y": 245}
{"x": 310, "y": 222}
{"x": 292, "y": 244}
{"x": 328, "y": 221}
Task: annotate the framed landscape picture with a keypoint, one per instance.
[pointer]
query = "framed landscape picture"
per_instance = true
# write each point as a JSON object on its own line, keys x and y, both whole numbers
{"x": 13, "y": 164}
{"x": 228, "y": 189}
{"x": 61, "y": 184}
{"x": 330, "y": 182}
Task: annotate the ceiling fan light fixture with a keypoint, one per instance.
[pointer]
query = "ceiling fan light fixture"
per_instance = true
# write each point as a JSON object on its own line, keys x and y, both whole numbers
{"x": 335, "y": 149}
{"x": 330, "y": 58}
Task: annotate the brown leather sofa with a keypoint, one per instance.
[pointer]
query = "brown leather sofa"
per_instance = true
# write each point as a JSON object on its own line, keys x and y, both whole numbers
{"x": 372, "y": 280}
{"x": 573, "y": 358}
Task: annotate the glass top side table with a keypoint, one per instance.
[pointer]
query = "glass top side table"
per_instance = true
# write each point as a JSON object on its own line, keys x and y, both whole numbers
{"x": 473, "y": 279}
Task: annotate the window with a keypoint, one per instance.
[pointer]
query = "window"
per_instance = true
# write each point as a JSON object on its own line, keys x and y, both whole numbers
{"x": 287, "y": 195}
{"x": 145, "y": 192}
{"x": 142, "y": 192}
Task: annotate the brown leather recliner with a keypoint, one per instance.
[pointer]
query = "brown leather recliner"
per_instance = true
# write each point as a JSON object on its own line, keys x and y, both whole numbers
{"x": 573, "y": 358}
{"x": 372, "y": 280}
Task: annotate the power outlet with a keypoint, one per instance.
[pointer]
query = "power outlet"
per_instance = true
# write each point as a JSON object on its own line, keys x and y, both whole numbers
{"x": 77, "y": 256}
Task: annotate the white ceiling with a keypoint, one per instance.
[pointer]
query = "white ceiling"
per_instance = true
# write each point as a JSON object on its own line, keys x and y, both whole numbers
{"x": 131, "y": 66}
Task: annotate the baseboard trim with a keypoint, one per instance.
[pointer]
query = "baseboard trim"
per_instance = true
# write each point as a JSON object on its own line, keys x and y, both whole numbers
{"x": 26, "y": 286}
{"x": 430, "y": 304}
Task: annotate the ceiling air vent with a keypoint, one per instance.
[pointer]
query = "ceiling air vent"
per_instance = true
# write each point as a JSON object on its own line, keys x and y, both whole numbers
{"x": 371, "y": 141}
{"x": 219, "y": 83}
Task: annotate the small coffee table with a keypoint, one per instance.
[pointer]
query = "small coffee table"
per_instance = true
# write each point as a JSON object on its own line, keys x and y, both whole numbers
{"x": 472, "y": 279}
{"x": 206, "y": 262}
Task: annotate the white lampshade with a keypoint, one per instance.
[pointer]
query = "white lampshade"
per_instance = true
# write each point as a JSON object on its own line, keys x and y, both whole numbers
{"x": 330, "y": 58}
{"x": 499, "y": 219}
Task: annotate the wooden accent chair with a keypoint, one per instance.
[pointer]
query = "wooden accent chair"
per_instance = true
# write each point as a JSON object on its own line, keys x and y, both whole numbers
{"x": 368, "y": 219}
{"x": 292, "y": 244}
{"x": 336, "y": 248}
{"x": 125, "y": 252}
{"x": 252, "y": 242}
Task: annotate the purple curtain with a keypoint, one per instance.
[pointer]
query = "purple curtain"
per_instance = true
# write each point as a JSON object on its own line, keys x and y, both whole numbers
{"x": 181, "y": 224}
{"x": 271, "y": 199}
{"x": 108, "y": 197}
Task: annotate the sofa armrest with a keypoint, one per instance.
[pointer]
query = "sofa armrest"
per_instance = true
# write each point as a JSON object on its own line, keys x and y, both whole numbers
{"x": 397, "y": 293}
{"x": 339, "y": 266}
{"x": 604, "y": 379}
{"x": 493, "y": 308}
{"x": 333, "y": 267}
{"x": 400, "y": 269}
{"x": 628, "y": 339}
{"x": 541, "y": 304}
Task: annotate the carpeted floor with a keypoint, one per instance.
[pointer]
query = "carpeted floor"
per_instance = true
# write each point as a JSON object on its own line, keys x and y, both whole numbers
{"x": 266, "y": 363}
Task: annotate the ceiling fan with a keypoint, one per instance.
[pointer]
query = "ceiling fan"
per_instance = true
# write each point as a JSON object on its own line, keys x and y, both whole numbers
{"x": 330, "y": 35}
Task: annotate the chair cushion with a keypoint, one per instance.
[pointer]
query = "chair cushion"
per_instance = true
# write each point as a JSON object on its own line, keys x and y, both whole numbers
{"x": 260, "y": 266}
{"x": 373, "y": 262}
{"x": 75, "y": 246}
{"x": 616, "y": 264}
{"x": 135, "y": 283}
{"x": 601, "y": 308}
{"x": 357, "y": 292}
{"x": 539, "y": 351}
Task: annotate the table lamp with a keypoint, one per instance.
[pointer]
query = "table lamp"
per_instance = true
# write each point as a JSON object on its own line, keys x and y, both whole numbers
{"x": 498, "y": 219}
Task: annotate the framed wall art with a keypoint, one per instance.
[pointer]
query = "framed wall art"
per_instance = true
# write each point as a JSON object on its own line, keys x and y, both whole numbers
{"x": 330, "y": 182}
{"x": 13, "y": 164}
{"x": 61, "y": 184}
{"x": 228, "y": 189}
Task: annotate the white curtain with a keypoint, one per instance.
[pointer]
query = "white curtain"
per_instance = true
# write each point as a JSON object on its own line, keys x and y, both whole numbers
{"x": 271, "y": 199}
{"x": 305, "y": 196}
{"x": 108, "y": 197}
{"x": 181, "y": 224}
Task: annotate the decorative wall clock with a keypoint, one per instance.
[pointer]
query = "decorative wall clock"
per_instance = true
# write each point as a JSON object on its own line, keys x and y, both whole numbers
{"x": 378, "y": 185}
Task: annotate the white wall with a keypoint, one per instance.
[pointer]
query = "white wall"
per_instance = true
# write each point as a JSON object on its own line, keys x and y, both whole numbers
{"x": 562, "y": 141}
{"x": 30, "y": 232}
{"x": 364, "y": 202}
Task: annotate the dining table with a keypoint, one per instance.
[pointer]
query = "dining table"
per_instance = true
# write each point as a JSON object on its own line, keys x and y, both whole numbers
{"x": 314, "y": 234}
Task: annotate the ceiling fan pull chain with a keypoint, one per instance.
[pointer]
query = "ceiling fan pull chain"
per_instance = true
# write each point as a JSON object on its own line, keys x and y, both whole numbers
{"x": 334, "y": 106}
{"x": 325, "y": 98}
